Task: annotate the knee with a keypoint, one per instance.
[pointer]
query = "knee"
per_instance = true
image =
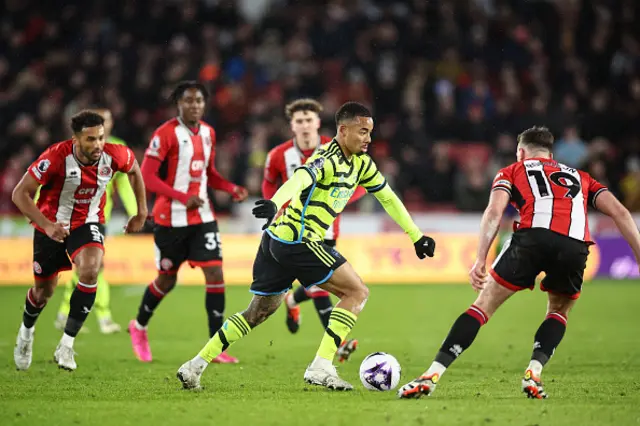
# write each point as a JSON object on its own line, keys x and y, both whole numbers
{"x": 213, "y": 274}
{"x": 42, "y": 294}
{"x": 88, "y": 273}
{"x": 166, "y": 282}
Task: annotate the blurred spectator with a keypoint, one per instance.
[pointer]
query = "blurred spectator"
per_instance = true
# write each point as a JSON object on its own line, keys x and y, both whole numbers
{"x": 458, "y": 71}
{"x": 570, "y": 150}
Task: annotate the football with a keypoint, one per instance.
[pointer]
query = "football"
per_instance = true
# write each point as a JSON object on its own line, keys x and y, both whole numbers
{"x": 380, "y": 371}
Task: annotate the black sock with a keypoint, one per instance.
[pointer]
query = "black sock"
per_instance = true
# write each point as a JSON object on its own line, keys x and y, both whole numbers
{"x": 214, "y": 302}
{"x": 150, "y": 301}
{"x": 31, "y": 310}
{"x": 548, "y": 337}
{"x": 300, "y": 295}
{"x": 323, "y": 307}
{"x": 80, "y": 304}
{"x": 461, "y": 335}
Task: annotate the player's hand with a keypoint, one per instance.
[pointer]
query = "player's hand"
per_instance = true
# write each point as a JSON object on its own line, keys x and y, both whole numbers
{"x": 425, "y": 246}
{"x": 239, "y": 194}
{"x": 478, "y": 275}
{"x": 265, "y": 209}
{"x": 135, "y": 223}
{"x": 57, "y": 231}
{"x": 194, "y": 202}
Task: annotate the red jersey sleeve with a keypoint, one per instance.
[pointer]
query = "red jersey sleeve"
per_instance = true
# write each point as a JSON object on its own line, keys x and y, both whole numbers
{"x": 595, "y": 188}
{"x": 122, "y": 156}
{"x": 159, "y": 146}
{"x": 46, "y": 166}
{"x": 272, "y": 173}
{"x": 503, "y": 180}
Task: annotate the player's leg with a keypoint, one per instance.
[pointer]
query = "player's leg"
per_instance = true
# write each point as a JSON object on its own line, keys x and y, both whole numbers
{"x": 87, "y": 259}
{"x": 102, "y": 306}
{"x": 63, "y": 311}
{"x": 564, "y": 266}
{"x": 515, "y": 268}
{"x": 205, "y": 251}
{"x": 546, "y": 340}
{"x": 270, "y": 281}
{"x": 49, "y": 258}
{"x": 171, "y": 251}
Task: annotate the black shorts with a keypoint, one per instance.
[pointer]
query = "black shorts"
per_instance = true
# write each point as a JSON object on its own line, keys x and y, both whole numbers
{"x": 198, "y": 244}
{"x": 531, "y": 251}
{"x": 278, "y": 264}
{"x": 51, "y": 257}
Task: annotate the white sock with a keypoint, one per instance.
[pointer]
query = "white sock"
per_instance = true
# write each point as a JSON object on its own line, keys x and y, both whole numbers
{"x": 200, "y": 363}
{"x": 321, "y": 363}
{"x": 436, "y": 368}
{"x": 291, "y": 303}
{"x": 138, "y": 326}
{"x": 67, "y": 340}
{"x": 26, "y": 333}
{"x": 536, "y": 367}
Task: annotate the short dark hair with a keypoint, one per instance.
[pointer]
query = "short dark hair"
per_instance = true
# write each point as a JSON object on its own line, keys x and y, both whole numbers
{"x": 351, "y": 110}
{"x": 183, "y": 86}
{"x": 85, "y": 119}
{"x": 537, "y": 137}
{"x": 304, "y": 104}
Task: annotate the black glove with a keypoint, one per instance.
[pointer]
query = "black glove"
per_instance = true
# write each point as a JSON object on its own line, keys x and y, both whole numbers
{"x": 425, "y": 246}
{"x": 265, "y": 209}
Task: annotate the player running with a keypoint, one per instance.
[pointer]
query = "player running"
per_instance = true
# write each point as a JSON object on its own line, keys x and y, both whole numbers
{"x": 69, "y": 224}
{"x": 186, "y": 229}
{"x": 552, "y": 237}
{"x": 282, "y": 162}
{"x": 120, "y": 182}
{"x": 293, "y": 246}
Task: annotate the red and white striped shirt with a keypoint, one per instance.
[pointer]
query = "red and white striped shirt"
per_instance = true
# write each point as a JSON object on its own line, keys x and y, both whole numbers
{"x": 73, "y": 193}
{"x": 550, "y": 195}
{"x": 190, "y": 160}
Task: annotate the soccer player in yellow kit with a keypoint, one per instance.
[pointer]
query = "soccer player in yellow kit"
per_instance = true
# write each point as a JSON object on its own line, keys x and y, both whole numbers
{"x": 121, "y": 184}
{"x": 293, "y": 246}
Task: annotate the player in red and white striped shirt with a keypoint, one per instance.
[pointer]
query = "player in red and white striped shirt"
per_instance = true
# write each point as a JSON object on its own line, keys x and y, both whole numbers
{"x": 282, "y": 161}
{"x": 552, "y": 237}
{"x": 69, "y": 223}
{"x": 179, "y": 166}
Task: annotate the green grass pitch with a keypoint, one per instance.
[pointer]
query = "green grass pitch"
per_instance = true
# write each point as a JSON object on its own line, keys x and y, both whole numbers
{"x": 594, "y": 378}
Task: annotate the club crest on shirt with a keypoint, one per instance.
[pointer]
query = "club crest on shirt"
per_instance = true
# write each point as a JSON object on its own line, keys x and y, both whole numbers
{"x": 105, "y": 171}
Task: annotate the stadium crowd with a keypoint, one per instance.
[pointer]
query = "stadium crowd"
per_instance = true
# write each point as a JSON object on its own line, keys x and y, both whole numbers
{"x": 451, "y": 83}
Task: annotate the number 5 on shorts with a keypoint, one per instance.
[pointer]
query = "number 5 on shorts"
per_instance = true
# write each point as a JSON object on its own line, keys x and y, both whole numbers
{"x": 213, "y": 241}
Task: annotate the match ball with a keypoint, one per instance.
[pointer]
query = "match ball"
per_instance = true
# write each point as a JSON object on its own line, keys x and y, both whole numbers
{"x": 380, "y": 371}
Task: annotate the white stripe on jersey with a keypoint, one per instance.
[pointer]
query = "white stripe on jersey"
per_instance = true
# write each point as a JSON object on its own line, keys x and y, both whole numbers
{"x": 94, "y": 208}
{"x": 206, "y": 214}
{"x": 543, "y": 205}
{"x": 504, "y": 249}
{"x": 66, "y": 200}
{"x": 183, "y": 175}
{"x": 292, "y": 160}
{"x": 578, "y": 215}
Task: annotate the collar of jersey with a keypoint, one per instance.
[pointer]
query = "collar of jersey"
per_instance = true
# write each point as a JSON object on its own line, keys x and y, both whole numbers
{"x": 314, "y": 151}
{"x": 344, "y": 157}
{"x": 80, "y": 163}
{"x": 187, "y": 127}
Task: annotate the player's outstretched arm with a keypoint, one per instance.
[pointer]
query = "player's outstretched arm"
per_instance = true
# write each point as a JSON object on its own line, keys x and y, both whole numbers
{"x": 216, "y": 181}
{"x": 488, "y": 230}
{"x": 267, "y": 209}
{"x": 136, "y": 222}
{"x": 22, "y": 198}
{"x": 608, "y": 204}
{"x": 425, "y": 246}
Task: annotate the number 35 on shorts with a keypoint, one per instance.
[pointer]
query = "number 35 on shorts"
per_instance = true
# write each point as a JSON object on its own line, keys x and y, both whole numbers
{"x": 212, "y": 241}
{"x": 96, "y": 235}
